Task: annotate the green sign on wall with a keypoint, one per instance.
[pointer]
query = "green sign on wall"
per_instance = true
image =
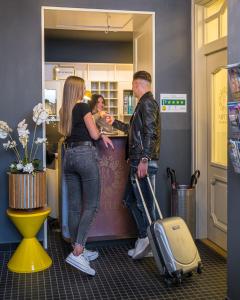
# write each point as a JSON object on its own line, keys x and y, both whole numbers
{"x": 173, "y": 103}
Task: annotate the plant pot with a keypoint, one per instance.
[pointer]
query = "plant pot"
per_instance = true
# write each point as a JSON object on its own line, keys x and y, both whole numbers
{"x": 27, "y": 191}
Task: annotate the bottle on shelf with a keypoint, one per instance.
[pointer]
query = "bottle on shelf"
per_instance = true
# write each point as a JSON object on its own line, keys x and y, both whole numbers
{"x": 128, "y": 102}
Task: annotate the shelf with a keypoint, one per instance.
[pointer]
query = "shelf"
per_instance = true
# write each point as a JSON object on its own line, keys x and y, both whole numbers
{"x": 109, "y": 90}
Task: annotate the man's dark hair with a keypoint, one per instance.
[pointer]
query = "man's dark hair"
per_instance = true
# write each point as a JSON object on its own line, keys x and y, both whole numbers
{"x": 142, "y": 75}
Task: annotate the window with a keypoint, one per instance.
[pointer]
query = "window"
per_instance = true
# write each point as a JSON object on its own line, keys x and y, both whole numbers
{"x": 219, "y": 117}
{"x": 215, "y": 21}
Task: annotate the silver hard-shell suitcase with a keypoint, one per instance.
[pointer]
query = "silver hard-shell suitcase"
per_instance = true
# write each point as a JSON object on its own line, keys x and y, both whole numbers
{"x": 173, "y": 247}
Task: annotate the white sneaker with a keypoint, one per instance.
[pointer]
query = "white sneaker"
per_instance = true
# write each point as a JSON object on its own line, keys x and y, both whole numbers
{"x": 131, "y": 251}
{"x": 81, "y": 263}
{"x": 90, "y": 255}
{"x": 142, "y": 249}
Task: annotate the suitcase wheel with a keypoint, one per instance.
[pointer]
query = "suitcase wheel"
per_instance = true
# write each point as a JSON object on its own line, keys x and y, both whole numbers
{"x": 190, "y": 274}
{"x": 177, "y": 277}
{"x": 168, "y": 281}
{"x": 199, "y": 268}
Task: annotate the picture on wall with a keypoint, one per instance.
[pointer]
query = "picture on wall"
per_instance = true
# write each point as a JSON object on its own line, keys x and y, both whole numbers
{"x": 234, "y": 81}
{"x": 63, "y": 72}
{"x": 234, "y": 118}
{"x": 234, "y": 146}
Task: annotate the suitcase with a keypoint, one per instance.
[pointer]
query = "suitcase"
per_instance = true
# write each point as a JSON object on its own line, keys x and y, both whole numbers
{"x": 173, "y": 247}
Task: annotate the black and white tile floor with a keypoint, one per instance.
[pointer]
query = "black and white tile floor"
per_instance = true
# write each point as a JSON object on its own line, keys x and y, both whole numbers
{"x": 118, "y": 277}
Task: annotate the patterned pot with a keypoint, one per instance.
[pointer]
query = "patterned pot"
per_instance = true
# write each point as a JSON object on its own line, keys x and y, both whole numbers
{"x": 27, "y": 191}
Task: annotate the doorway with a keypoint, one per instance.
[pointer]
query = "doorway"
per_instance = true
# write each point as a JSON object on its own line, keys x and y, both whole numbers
{"x": 110, "y": 79}
{"x": 209, "y": 115}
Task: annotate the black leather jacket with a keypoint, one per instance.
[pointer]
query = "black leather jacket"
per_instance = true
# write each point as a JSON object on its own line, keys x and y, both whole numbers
{"x": 143, "y": 130}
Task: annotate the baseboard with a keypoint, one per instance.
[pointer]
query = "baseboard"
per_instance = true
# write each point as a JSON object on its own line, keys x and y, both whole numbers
{"x": 215, "y": 247}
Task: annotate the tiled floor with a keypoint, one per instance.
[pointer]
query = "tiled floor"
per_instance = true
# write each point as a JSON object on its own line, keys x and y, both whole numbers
{"x": 118, "y": 277}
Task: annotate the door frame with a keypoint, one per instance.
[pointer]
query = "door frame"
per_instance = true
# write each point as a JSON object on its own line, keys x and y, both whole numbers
{"x": 43, "y": 8}
{"x": 150, "y": 13}
{"x": 199, "y": 117}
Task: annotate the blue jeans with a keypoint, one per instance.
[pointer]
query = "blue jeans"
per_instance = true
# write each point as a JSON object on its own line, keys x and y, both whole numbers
{"x": 133, "y": 200}
{"x": 83, "y": 188}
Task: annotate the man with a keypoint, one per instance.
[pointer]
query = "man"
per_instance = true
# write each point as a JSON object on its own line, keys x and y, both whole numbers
{"x": 143, "y": 155}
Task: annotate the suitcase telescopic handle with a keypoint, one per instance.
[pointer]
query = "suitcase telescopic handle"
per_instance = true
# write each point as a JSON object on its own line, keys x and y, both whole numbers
{"x": 143, "y": 201}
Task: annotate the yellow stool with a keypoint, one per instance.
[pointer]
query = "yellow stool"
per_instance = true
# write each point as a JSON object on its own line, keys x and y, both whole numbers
{"x": 29, "y": 256}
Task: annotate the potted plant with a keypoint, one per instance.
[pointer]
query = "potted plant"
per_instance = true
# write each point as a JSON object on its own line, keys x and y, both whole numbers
{"x": 27, "y": 179}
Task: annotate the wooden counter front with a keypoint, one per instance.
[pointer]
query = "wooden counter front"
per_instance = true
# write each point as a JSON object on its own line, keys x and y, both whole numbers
{"x": 113, "y": 220}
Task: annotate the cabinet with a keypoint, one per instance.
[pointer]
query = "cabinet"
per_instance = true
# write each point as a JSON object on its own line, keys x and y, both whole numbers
{"x": 112, "y": 81}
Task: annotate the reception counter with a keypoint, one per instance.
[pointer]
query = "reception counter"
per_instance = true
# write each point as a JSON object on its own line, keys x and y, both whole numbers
{"x": 113, "y": 220}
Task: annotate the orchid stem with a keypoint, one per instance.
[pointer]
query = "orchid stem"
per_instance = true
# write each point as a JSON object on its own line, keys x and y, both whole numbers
{"x": 15, "y": 149}
{"x": 34, "y": 135}
{"x": 33, "y": 141}
{"x": 35, "y": 152}
{"x": 26, "y": 153}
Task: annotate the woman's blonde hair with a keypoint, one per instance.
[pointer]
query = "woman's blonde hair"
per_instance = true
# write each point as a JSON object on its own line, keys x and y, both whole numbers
{"x": 73, "y": 91}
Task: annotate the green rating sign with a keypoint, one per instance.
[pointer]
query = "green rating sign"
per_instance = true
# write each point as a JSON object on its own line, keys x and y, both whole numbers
{"x": 173, "y": 102}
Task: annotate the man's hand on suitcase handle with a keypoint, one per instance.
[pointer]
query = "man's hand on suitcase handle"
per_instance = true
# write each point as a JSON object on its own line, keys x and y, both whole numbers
{"x": 142, "y": 169}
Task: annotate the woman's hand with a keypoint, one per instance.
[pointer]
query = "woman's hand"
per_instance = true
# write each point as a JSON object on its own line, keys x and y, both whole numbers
{"x": 107, "y": 142}
{"x": 109, "y": 119}
{"x": 102, "y": 114}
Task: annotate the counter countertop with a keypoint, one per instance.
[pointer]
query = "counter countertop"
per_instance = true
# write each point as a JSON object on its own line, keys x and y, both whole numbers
{"x": 116, "y": 134}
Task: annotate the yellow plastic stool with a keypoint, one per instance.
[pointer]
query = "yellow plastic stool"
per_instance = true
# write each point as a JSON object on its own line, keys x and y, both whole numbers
{"x": 29, "y": 256}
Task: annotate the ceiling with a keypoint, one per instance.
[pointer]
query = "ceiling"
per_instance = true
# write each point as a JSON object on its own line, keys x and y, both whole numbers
{"x": 123, "y": 36}
{"x": 91, "y": 25}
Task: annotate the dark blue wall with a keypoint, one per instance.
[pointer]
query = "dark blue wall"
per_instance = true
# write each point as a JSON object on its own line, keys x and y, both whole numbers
{"x": 21, "y": 75}
{"x": 70, "y": 50}
{"x": 233, "y": 178}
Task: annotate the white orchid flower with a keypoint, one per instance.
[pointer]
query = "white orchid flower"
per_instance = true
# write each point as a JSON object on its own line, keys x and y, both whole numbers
{"x": 19, "y": 166}
{"x": 4, "y": 130}
{"x": 38, "y": 107}
{"x": 12, "y": 166}
{"x": 22, "y": 124}
{"x": 40, "y": 141}
{"x": 28, "y": 168}
{"x": 40, "y": 114}
{"x": 9, "y": 145}
{"x": 22, "y": 129}
{"x": 23, "y": 140}
{"x": 23, "y": 132}
{"x": 6, "y": 145}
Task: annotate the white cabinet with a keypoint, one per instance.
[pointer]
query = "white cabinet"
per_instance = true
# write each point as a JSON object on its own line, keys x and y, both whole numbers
{"x": 109, "y": 80}
{"x": 103, "y": 72}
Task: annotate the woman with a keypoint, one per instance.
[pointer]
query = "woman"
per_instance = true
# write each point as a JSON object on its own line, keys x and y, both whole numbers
{"x": 97, "y": 107}
{"x": 80, "y": 169}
